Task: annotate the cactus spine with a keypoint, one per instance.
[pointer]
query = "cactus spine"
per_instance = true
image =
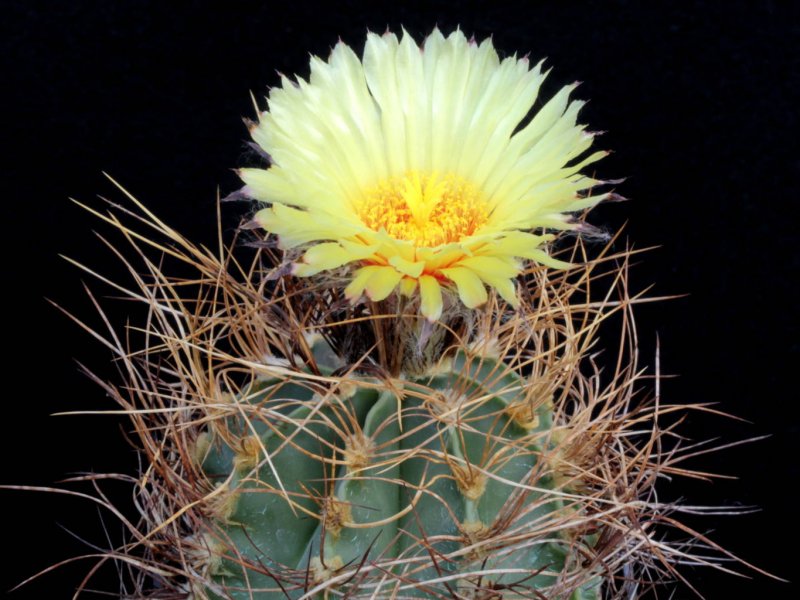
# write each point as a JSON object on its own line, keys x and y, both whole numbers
{"x": 436, "y": 478}
{"x": 297, "y": 445}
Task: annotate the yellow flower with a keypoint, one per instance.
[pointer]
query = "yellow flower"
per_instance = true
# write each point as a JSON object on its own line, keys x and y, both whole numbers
{"x": 421, "y": 168}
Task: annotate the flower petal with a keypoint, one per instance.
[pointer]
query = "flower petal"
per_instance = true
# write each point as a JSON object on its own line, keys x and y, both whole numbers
{"x": 492, "y": 266}
{"x": 542, "y": 257}
{"x": 356, "y": 287}
{"x": 268, "y": 186}
{"x": 430, "y": 297}
{"x": 331, "y": 255}
{"x": 296, "y": 227}
{"x": 407, "y": 267}
{"x": 381, "y": 283}
{"x": 470, "y": 287}
{"x": 506, "y": 289}
{"x": 321, "y": 258}
{"x": 519, "y": 243}
{"x": 381, "y": 75}
{"x": 497, "y": 273}
{"x": 408, "y": 286}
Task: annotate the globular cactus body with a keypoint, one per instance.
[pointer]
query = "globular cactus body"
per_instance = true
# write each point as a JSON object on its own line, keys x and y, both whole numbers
{"x": 449, "y": 481}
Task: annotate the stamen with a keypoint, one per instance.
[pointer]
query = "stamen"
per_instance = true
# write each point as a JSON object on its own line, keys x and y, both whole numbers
{"x": 425, "y": 209}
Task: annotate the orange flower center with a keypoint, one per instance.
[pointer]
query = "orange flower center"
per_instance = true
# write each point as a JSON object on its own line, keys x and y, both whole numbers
{"x": 425, "y": 209}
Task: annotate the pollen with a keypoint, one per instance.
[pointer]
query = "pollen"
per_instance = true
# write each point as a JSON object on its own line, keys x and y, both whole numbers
{"x": 429, "y": 210}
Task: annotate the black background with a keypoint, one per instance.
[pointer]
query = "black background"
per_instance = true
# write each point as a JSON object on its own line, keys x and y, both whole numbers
{"x": 699, "y": 100}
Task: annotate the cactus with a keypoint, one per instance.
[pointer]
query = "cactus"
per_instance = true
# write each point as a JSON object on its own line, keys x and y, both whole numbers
{"x": 461, "y": 464}
{"x": 289, "y": 452}
{"x": 406, "y": 400}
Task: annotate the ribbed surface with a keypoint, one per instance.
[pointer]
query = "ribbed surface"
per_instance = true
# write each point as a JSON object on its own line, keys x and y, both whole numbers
{"x": 439, "y": 479}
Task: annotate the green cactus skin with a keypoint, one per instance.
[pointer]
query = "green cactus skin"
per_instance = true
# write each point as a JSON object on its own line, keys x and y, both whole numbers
{"x": 425, "y": 453}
